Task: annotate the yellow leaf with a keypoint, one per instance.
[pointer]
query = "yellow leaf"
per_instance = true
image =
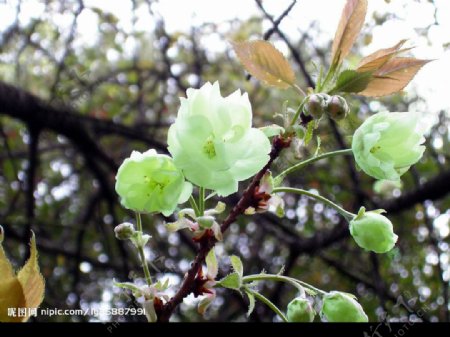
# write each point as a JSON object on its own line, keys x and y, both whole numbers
{"x": 30, "y": 278}
{"x": 265, "y": 62}
{"x": 393, "y": 76}
{"x": 6, "y": 270}
{"x": 348, "y": 29}
{"x": 379, "y": 58}
{"x": 11, "y": 296}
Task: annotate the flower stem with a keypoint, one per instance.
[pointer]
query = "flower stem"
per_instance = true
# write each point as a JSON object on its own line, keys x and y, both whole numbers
{"x": 148, "y": 277}
{"x": 299, "y": 90}
{"x": 281, "y": 278}
{"x": 330, "y": 74}
{"x": 201, "y": 200}
{"x": 298, "y": 112}
{"x": 304, "y": 163}
{"x": 194, "y": 205}
{"x": 267, "y": 302}
{"x": 339, "y": 209}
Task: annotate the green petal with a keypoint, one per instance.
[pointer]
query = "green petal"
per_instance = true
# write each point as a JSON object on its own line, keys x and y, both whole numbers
{"x": 248, "y": 160}
{"x": 185, "y": 192}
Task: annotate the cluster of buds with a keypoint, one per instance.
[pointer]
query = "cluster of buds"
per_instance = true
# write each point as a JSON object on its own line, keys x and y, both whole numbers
{"x": 335, "y": 106}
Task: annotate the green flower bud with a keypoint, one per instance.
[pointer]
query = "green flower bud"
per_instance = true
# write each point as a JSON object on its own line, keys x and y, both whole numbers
{"x": 388, "y": 143}
{"x": 300, "y": 310}
{"x": 206, "y": 221}
{"x": 124, "y": 231}
{"x": 337, "y": 108}
{"x": 212, "y": 140}
{"x": 315, "y": 105}
{"x": 342, "y": 307}
{"x": 373, "y": 231}
{"x": 2, "y": 234}
{"x": 150, "y": 182}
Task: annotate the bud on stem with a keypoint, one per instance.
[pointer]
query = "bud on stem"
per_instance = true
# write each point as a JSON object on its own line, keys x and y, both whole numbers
{"x": 337, "y": 108}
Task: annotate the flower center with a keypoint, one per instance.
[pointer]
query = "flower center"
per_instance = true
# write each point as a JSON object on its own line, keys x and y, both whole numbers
{"x": 209, "y": 148}
{"x": 153, "y": 184}
{"x": 375, "y": 149}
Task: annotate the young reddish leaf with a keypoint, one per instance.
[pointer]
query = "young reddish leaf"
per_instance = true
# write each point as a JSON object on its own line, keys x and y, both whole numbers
{"x": 393, "y": 76}
{"x": 265, "y": 62}
{"x": 379, "y": 58}
{"x": 348, "y": 29}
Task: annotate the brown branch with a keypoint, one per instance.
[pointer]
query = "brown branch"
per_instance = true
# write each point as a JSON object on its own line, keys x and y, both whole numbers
{"x": 435, "y": 188}
{"x": 33, "y": 163}
{"x": 208, "y": 242}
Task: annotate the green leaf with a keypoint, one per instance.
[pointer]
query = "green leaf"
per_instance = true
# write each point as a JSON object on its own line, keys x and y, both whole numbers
{"x": 251, "y": 303}
{"x": 237, "y": 265}
{"x": 352, "y": 81}
{"x": 309, "y": 132}
{"x": 128, "y": 285}
{"x": 272, "y": 130}
{"x": 231, "y": 281}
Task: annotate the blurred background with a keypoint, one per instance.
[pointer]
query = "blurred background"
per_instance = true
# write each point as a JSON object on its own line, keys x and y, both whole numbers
{"x": 83, "y": 83}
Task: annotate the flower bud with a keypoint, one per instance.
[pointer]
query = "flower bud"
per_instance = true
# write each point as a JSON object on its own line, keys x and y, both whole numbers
{"x": 2, "y": 234}
{"x": 124, "y": 231}
{"x": 342, "y": 307}
{"x": 337, "y": 108}
{"x": 315, "y": 105}
{"x": 373, "y": 231}
{"x": 206, "y": 221}
{"x": 300, "y": 310}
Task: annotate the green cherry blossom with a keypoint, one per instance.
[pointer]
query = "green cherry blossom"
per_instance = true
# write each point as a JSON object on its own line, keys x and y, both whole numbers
{"x": 342, "y": 307}
{"x": 373, "y": 231}
{"x": 150, "y": 182}
{"x": 388, "y": 143}
{"x": 212, "y": 140}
